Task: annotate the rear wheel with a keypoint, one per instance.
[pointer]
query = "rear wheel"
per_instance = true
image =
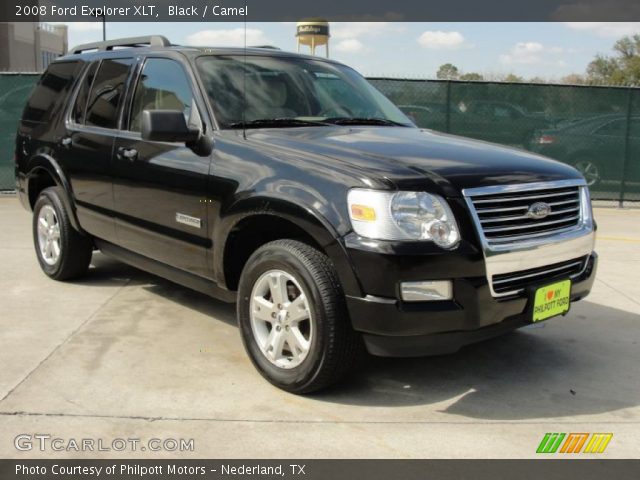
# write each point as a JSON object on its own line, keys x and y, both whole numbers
{"x": 293, "y": 318}
{"x": 63, "y": 253}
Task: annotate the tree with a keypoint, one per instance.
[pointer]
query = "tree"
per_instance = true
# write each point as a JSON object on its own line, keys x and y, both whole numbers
{"x": 537, "y": 80}
{"x": 513, "y": 78}
{"x": 472, "y": 76}
{"x": 448, "y": 71}
{"x": 603, "y": 69}
{"x": 573, "y": 79}
{"x": 623, "y": 67}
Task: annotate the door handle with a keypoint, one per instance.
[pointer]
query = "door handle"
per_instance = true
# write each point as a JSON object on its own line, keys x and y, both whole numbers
{"x": 128, "y": 153}
{"x": 66, "y": 142}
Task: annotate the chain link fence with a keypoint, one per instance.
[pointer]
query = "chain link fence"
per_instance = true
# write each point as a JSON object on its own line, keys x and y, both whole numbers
{"x": 596, "y": 129}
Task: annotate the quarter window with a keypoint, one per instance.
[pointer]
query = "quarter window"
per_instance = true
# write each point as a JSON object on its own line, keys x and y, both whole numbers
{"x": 107, "y": 92}
{"x": 163, "y": 85}
{"x": 80, "y": 106}
{"x": 50, "y": 91}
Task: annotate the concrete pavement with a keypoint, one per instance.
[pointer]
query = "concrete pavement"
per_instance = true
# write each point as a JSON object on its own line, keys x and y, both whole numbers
{"x": 123, "y": 354}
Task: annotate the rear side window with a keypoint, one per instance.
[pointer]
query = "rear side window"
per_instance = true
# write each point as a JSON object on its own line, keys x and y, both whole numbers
{"x": 106, "y": 93}
{"x": 80, "y": 107}
{"x": 163, "y": 85}
{"x": 51, "y": 91}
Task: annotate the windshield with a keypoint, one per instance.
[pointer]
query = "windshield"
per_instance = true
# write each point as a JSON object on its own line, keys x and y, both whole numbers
{"x": 307, "y": 91}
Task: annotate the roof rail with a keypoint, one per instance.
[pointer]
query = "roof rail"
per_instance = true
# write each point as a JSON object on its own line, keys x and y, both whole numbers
{"x": 148, "y": 41}
{"x": 269, "y": 47}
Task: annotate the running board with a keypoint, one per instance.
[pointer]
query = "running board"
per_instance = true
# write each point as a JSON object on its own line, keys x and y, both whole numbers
{"x": 172, "y": 274}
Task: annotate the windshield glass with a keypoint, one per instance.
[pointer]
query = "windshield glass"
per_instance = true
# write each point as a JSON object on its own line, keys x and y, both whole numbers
{"x": 309, "y": 91}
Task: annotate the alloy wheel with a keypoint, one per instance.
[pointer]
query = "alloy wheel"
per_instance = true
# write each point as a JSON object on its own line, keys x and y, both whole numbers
{"x": 281, "y": 319}
{"x": 49, "y": 235}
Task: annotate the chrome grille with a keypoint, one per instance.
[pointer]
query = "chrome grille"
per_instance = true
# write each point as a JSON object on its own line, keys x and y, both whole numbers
{"x": 505, "y": 217}
{"x": 516, "y": 282}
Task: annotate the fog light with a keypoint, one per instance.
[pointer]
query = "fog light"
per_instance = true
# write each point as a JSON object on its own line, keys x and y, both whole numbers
{"x": 427, "y": 291}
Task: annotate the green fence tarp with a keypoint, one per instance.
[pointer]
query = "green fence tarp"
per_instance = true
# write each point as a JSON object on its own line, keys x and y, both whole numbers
{"x": 596, "y": 129}
{"x": 14, "y": 92}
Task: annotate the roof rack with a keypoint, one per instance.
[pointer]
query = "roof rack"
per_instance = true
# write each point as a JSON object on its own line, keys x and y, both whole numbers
{"x": 148, "y": 41}
{"x": 270, "y": 47}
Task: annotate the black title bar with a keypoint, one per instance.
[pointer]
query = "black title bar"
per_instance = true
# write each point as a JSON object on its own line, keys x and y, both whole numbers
{"x": 331, "y": 10}
{"x": 319, "y": 469}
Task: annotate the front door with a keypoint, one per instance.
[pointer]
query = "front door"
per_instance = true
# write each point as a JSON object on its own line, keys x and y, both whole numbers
{"x": 159, "y": 187}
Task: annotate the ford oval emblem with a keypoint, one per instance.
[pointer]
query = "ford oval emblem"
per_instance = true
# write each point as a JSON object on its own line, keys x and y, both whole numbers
{"x": 539, "y": 210}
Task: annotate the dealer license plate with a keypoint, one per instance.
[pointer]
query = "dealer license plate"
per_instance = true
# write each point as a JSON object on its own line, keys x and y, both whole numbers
{"x": 551, "y": 300}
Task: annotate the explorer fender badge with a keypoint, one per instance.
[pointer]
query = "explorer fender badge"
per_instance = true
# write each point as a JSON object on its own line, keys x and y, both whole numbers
{"x": 188, "y": 220}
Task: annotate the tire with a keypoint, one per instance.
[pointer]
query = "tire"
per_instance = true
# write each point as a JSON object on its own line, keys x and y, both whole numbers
{"x": 69, "y": 256}
{"x": 333, "y": 348}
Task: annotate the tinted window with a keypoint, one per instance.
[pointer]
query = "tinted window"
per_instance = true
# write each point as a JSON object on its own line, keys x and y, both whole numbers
{"x": 163, "y": 85}
{"x": 256, "y": 88}
{"x": 50, "y": 91}
{"x": 81, "y": 100}
{"x": 107, "y": 92}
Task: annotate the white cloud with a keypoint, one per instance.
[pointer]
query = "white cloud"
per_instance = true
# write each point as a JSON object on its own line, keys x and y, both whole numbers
{"x": 606, "y": 29}
{"x": 349, "y": 45}
{"x": 439, "y": 40}
{"x": 351, "y": 30}
{"x": 233, "y": 37}
{"x": 533, "y": 53}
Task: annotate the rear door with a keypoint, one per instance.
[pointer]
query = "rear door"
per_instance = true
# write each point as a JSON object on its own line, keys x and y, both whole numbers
{"x": 160, "y": 188}
{"x": 91, "y": 129}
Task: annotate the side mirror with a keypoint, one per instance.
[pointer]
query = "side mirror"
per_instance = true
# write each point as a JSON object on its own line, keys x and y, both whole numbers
{"x": 167, "y": 126}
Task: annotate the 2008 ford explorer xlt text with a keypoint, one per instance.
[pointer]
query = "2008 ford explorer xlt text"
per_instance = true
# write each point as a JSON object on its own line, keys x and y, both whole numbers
{"x": 288, "y": 184}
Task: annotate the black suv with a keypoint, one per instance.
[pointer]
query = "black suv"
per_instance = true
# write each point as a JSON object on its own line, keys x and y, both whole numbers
{"x": 288, "y": 184}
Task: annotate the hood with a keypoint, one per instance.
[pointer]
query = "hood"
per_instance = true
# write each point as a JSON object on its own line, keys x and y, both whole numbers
{"x": 412, "y": 158}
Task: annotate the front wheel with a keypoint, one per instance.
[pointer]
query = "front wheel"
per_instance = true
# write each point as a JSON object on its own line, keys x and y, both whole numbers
{"x": 293, "y": 318}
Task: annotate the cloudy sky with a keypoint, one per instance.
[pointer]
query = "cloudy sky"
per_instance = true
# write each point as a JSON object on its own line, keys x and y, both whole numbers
{"x": 548, "y": 50}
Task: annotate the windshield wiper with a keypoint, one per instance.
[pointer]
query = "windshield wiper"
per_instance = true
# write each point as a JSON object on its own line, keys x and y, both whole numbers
{"x": 363, "y": 121}
{"x": 275, "y": 122}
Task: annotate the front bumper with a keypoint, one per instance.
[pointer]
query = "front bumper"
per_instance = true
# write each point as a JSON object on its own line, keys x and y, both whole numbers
{"x": 391, "y": 327}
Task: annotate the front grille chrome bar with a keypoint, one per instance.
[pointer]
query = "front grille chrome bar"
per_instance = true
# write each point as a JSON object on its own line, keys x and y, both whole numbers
{"x": 516, "y": 243}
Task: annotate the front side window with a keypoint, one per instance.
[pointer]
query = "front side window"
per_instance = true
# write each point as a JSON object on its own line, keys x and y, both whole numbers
{"x": 107, "y": 92}
{"x": 253, "y": 88}
{"x": 163, "y": 85}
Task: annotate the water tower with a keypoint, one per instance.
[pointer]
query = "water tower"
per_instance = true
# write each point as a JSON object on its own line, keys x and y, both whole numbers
{"x": 313, "y": 33}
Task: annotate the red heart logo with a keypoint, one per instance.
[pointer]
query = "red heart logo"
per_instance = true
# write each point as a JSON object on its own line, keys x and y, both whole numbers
{"x": 549, "y": 294}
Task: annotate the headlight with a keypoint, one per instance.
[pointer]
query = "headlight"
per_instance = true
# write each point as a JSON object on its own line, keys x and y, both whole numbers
{"x": 402, "y": 216}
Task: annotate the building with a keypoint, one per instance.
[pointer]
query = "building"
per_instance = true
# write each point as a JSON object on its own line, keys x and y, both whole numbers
{"x": 31, "y": 46}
